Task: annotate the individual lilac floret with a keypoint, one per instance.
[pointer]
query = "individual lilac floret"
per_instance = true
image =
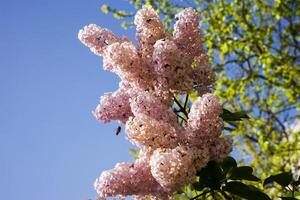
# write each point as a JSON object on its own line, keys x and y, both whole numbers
{"x": 172, "y": 168}
{"x": 220, "y": 148}
{"x": 128, "y": 179}
{"x": 143, "y": 131}
{"x": 149, "y": 29}
{"x": 97, "y": 38}
{"x": 115, "y": 106}
{"x": 187, "y": 34}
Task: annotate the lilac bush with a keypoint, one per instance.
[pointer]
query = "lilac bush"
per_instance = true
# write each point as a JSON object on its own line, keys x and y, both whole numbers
{"x": 173, "y": 147}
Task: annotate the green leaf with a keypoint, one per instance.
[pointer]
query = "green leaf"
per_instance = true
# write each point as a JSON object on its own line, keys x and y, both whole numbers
{"x": 134, "y": 153}
{"x": 230, "y": 116}
{"x": 126, "y": 25}
{"x": 210, "y": 176}
{"x": 296, "y": 183}
{"x": 243, "y": 173}
{"x": 229, "y": 129}
{"x": 228, "y": 164}
{"x": 105, "y": 9}
{"x": 245, "y": 191}
{"x": 288, "y": 198}
{"x": 198, "y": 186}
{"x": 181, "y": 197}
{"x": 193, "y": 96}
{"x": 283, "y": 179}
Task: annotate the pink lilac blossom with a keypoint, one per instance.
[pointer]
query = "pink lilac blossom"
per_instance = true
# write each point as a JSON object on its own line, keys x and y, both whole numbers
{"x": 164, "y": 71}
{"x": 205, "y": 107}
{"x": 151, "y": 73}
{"x": 160, "y": 89}
{"x": 200, "y": 155}
{"x": 97, "y": 38}
{"x": 115, "y": 106}
{"x": 128, "y": 179}
{"x": 220, "y": 148}
{"x": 206, "y": 130}
{"x": 149, "y": 29}
{"x": 187, "y": 34}
{"x": 126, "y": 63}
{"x": 143, "y": 130}
{"x": 172, "y": 167}
{"x": 204, "y": 123}
{"x": 202, "y": 75}
{"x": 147, "y": 104}
{"x": 170, "y": 63}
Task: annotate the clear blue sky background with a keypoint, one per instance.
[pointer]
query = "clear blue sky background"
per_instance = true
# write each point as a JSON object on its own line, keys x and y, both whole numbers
{"x": 51, "y": 147}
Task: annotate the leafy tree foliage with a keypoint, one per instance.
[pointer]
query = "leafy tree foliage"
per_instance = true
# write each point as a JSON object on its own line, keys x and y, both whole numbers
{"x": 254, "y": 46}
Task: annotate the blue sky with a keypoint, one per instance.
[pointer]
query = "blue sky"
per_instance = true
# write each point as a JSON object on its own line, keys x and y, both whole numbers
{"x": 51, "y": 147}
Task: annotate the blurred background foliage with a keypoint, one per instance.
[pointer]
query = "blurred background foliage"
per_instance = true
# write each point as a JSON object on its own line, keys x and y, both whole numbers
{"x": 254, "y": 48}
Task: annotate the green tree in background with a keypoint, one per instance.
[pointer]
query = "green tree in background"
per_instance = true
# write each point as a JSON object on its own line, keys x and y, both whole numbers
{"x": 254, "y": 47}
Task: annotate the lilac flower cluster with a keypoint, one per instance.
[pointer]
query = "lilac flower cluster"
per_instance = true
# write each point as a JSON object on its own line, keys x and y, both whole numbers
{"x": 151, "y": 73}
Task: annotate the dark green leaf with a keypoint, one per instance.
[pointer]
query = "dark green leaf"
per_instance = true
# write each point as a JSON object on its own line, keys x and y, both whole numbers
{"x": 211, "y": 176}
{"x": 234, "y": 124}
{"x": 283, "y": 179}
{"x": 288, "y": 198}
{"x": 230, "y": 116}
{"x": 296, "y": 183}
{"x": 228, "y": 164}
{"x": 229, "y": 129}
{"x": 245, "y": 191}
{"x": 243, "y": 173}
{"x": 198, "y": 186}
